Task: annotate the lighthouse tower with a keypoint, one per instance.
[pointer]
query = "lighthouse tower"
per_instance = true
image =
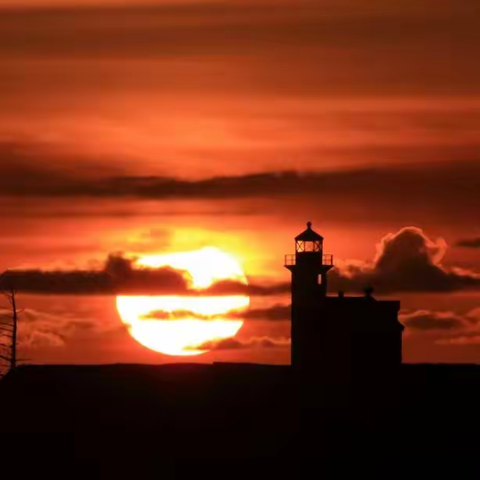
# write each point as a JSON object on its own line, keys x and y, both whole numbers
{"x": 309, "y": 267}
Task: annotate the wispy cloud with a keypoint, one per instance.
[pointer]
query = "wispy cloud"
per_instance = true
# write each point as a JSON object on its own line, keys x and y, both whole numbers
{"x": 275, "y": 313}
{"x": 236, "y": 344}
{"x": 443, "y": 189}
{"x": 473, "y": 242}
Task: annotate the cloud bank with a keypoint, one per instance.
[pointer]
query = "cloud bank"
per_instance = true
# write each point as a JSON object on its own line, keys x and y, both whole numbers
{"x": 275, "y": 313}
{"x": 445, "y": 191}
{"x": 429, "y": 321}
{"x": 120, "y": 275}
{"x": 236, "y": 344}
{"x": 38, "y": 329}
{"x": 469, "y": 242}
{"x": 407, "y": 261}
{"x": 444, "y": 327}
{"x": 32, "y": 170}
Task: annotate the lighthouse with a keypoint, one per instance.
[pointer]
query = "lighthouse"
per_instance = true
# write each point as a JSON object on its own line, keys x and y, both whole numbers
{"x": 309, "y": 267}
{"x": 342, "y": 338}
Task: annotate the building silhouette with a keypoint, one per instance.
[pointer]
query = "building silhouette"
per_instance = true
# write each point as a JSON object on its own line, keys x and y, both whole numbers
{"x": 338, "y": 338}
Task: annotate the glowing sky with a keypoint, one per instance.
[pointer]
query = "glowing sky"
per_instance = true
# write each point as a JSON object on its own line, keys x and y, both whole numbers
{"x": 102, "y": 101}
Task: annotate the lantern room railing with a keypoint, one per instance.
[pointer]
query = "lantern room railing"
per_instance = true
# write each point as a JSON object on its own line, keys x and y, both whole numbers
{"x": 290, "y": 259}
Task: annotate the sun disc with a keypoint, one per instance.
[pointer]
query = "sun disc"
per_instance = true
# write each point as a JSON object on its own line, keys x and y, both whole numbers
{"x": 184, "y": 336}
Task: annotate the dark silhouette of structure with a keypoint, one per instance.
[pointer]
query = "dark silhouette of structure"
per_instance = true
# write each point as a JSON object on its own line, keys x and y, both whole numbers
{"x": 338, "y": 338}
{"x": 346, "y": 353}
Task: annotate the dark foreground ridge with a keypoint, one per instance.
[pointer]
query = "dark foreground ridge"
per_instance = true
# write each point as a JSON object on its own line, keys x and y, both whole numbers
{"x": 240, "y": 411}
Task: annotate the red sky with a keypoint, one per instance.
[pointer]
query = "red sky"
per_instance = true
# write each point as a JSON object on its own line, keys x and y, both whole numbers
{"x": 377, "y": 105}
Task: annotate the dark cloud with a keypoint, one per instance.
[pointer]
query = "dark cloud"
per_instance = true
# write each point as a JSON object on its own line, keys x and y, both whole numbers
{"x": 469, "y": 242}
{"x": 236, "y": 344}
{"x": 38, "y": 329}
{"x": 120, "y": 275}
{"x": 443, "y": 327}
{"x": 275, "y": 313}
{"x": 407, "y": 261}
{"x": 425, "y": 320}
{"x": 438, "y": 188}
{"x": 230, "y": 287}
{"x": 449, "y": 328}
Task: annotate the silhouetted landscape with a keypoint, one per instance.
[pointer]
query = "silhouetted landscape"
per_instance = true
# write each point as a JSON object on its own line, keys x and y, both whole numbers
{"x": 346, "y": 395}
{"x": 146, "y": 413}
{"x": 239, "y": 239}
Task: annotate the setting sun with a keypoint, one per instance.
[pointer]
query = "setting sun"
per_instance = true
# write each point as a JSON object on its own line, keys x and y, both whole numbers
{"x": 168, "y": 324}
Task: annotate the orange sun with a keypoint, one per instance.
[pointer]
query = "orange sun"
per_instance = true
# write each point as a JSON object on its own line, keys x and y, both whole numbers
{"x": 180, "y": 334}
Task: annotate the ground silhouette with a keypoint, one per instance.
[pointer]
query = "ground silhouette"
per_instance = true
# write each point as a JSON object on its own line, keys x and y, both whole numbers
{"x": 239, "y": 411}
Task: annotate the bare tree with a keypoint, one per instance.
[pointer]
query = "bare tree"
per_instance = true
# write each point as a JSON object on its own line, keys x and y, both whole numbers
{"x": 9, "y": 325}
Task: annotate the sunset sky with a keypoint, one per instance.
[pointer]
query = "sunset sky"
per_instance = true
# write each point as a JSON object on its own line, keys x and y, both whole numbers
{"x": 173, "y": 125}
